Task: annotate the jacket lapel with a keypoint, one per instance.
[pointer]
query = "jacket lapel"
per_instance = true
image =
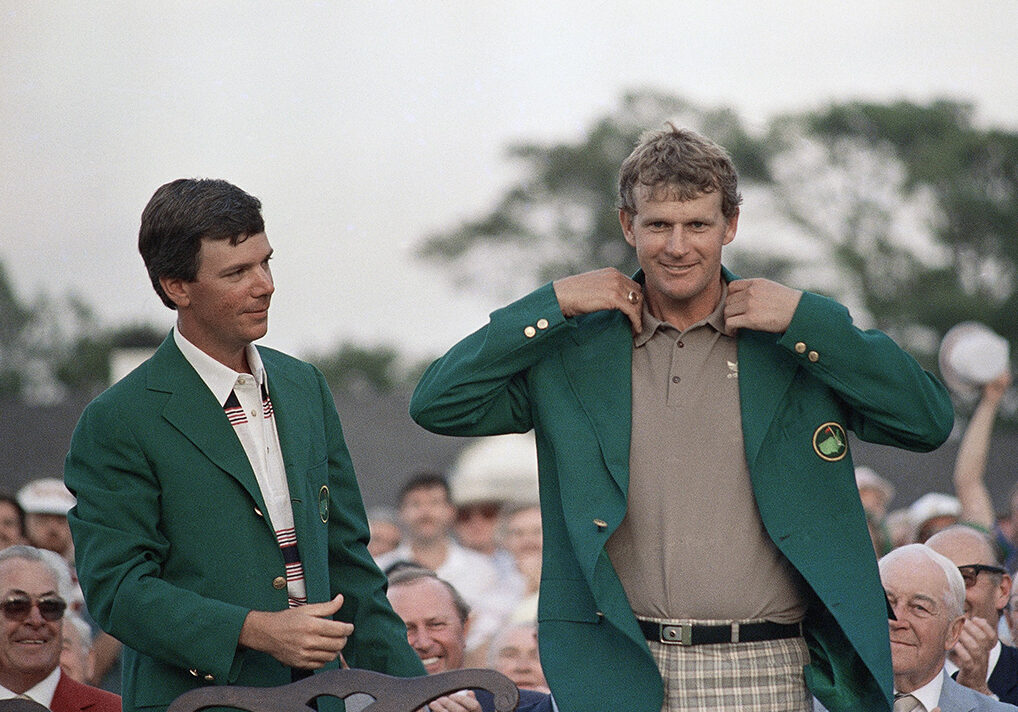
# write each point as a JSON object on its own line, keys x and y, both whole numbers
{"x": 763, "y": 381}
{"x": 192, "y": 409}
{"x": 598, "y": 367}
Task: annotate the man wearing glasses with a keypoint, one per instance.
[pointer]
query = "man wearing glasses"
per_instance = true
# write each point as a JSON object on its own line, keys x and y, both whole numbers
{"x": 979, "y": 660}
{"x": 32, "y": 636}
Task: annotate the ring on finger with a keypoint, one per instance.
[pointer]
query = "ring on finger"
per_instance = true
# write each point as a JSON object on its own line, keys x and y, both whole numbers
{"x": 633, "y": 296}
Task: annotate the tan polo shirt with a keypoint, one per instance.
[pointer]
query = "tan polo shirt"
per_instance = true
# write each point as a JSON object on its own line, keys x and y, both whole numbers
{"x": 692, "y": 545}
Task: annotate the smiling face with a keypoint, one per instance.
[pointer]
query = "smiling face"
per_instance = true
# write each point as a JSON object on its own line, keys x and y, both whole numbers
{"x": 925, "y": 628}
{"x": 29, "y": 649}
{"x": 226, "y": 307}
{"x": 678, "y": 244}
{"x": 433, "y": 625}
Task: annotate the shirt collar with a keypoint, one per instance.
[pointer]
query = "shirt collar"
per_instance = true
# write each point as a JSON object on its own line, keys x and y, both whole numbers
{"x": 716, "y": 320}
{"x": 219, "y": 377}
{"x": 929, "y": 694}
{"x": 42, "y": 692}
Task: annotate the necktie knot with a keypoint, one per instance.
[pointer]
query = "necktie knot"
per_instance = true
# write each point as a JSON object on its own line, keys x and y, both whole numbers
{"x": 905, "y": 703}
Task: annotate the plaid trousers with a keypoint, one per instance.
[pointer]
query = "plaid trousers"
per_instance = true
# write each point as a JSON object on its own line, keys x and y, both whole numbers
{"x": 764, "y": 676}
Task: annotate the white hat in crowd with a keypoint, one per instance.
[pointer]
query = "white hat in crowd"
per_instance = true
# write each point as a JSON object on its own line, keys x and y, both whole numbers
{"x": 47, "y": 495}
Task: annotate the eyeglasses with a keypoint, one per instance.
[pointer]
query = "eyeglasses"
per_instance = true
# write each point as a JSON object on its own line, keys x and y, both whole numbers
{"x": 18, "y": 608}
{"x": 485, "y": 511}
{"x": 970, "y": 572}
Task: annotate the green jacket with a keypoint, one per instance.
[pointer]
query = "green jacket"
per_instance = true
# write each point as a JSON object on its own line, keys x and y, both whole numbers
{"x": 570, "y": 380}
{"x": 171, "y": 545}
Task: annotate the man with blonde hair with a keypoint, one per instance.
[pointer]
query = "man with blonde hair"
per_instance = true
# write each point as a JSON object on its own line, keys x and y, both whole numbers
{"x": 667, "y": 407}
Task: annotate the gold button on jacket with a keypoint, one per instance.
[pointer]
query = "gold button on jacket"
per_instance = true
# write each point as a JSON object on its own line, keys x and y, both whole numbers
{"x": 279, "y": 583}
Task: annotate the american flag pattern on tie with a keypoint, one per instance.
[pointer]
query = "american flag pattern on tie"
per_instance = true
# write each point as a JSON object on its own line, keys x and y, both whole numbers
{"x": 287, "y": 538}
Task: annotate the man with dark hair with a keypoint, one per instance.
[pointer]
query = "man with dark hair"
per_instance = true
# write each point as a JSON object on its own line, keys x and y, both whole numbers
{"x": 12, "y": 521}
{"x": 219, "y": 529}
{"x": 32, "y": 634}
{"x": 701, "y": 518}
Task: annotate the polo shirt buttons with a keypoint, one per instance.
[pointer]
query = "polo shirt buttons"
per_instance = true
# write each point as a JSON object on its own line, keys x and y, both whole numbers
{"x": 530, "y": 332}
{"x": 542, "y": 324}
{"x": 279, "y": 583}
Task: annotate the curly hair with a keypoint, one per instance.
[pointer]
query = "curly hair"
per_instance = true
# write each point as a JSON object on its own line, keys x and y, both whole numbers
{"x": 680, "y": 164}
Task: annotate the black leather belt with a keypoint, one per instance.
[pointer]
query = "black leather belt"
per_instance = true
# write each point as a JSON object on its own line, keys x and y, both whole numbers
{"x": 693, "y": 634}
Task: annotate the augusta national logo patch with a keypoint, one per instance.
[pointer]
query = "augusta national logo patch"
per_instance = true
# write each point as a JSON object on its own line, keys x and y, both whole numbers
{"x": 323, "y": 504}
{"x": 830, "y": 442}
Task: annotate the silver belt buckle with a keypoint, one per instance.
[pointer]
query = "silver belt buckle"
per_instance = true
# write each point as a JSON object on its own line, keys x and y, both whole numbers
{"x": 677, "y": 634}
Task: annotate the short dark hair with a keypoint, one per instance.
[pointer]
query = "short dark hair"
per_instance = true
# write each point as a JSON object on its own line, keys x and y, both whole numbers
{"x": 424, "y": 480}
{"x": 682, "y": 163}
{"x": 409, "y": 574}
{"x": 186, "y": 211}
{"x": 13, "y": 501}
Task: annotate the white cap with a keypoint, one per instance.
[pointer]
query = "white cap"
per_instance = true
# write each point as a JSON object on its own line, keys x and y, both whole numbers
{"x": 48, "y": 495}
{"x": 501, "y": 468}
{"x": 933, "y": 505}
{"x": 971, "y": 355}
{"x": 867, "y": 477}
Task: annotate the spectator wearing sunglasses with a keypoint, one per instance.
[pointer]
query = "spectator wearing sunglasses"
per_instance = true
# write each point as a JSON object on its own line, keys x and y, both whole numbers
{"x": 979, "y": 660}
{"x": 31, "y": 639}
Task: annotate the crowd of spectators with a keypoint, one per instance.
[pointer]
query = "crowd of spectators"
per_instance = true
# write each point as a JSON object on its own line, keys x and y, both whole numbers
{"x": 464, "y": 566}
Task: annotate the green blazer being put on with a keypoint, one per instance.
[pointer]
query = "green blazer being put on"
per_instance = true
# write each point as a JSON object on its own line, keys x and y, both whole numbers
{"x": 570, "y": 380}
{"x": 172, "y": 545}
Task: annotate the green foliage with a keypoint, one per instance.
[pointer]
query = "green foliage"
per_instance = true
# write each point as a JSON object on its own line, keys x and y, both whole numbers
{"x": 352, "y": 367}
{"x": 972, "y": 176}
{"x": 561, "y": 216}
{"x": 50, "y": 348}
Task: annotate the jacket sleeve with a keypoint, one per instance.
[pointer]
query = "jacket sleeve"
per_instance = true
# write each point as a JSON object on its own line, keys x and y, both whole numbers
{"x": 379, "y": 640}
{"x": 479, "y": 386}
{"x": 891, "y": 400}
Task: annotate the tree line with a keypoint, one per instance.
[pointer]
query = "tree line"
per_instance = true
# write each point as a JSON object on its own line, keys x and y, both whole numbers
{"x": 906, "y": 212}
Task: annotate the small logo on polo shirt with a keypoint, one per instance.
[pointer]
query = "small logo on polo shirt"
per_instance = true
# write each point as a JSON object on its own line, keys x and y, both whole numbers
{"x": 830, "y": 442}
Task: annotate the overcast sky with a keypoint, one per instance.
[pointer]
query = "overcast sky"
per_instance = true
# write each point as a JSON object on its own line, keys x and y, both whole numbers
{"x": 364, "y": 126}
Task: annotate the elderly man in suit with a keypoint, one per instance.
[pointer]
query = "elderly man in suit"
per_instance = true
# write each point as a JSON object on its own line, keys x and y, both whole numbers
{"x": 219, "y": 530}
{"x": 979, "y": 660}
{"x": 703, "y": 535}
{"x": 926, "y": 594}
{"x": 31, "y": 638}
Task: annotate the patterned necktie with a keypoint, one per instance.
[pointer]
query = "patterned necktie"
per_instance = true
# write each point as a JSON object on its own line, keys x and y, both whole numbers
{"x": 905, "y": 703}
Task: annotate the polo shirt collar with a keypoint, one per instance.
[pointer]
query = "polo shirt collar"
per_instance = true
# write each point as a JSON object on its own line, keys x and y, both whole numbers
{"x": 716, "y": 320}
